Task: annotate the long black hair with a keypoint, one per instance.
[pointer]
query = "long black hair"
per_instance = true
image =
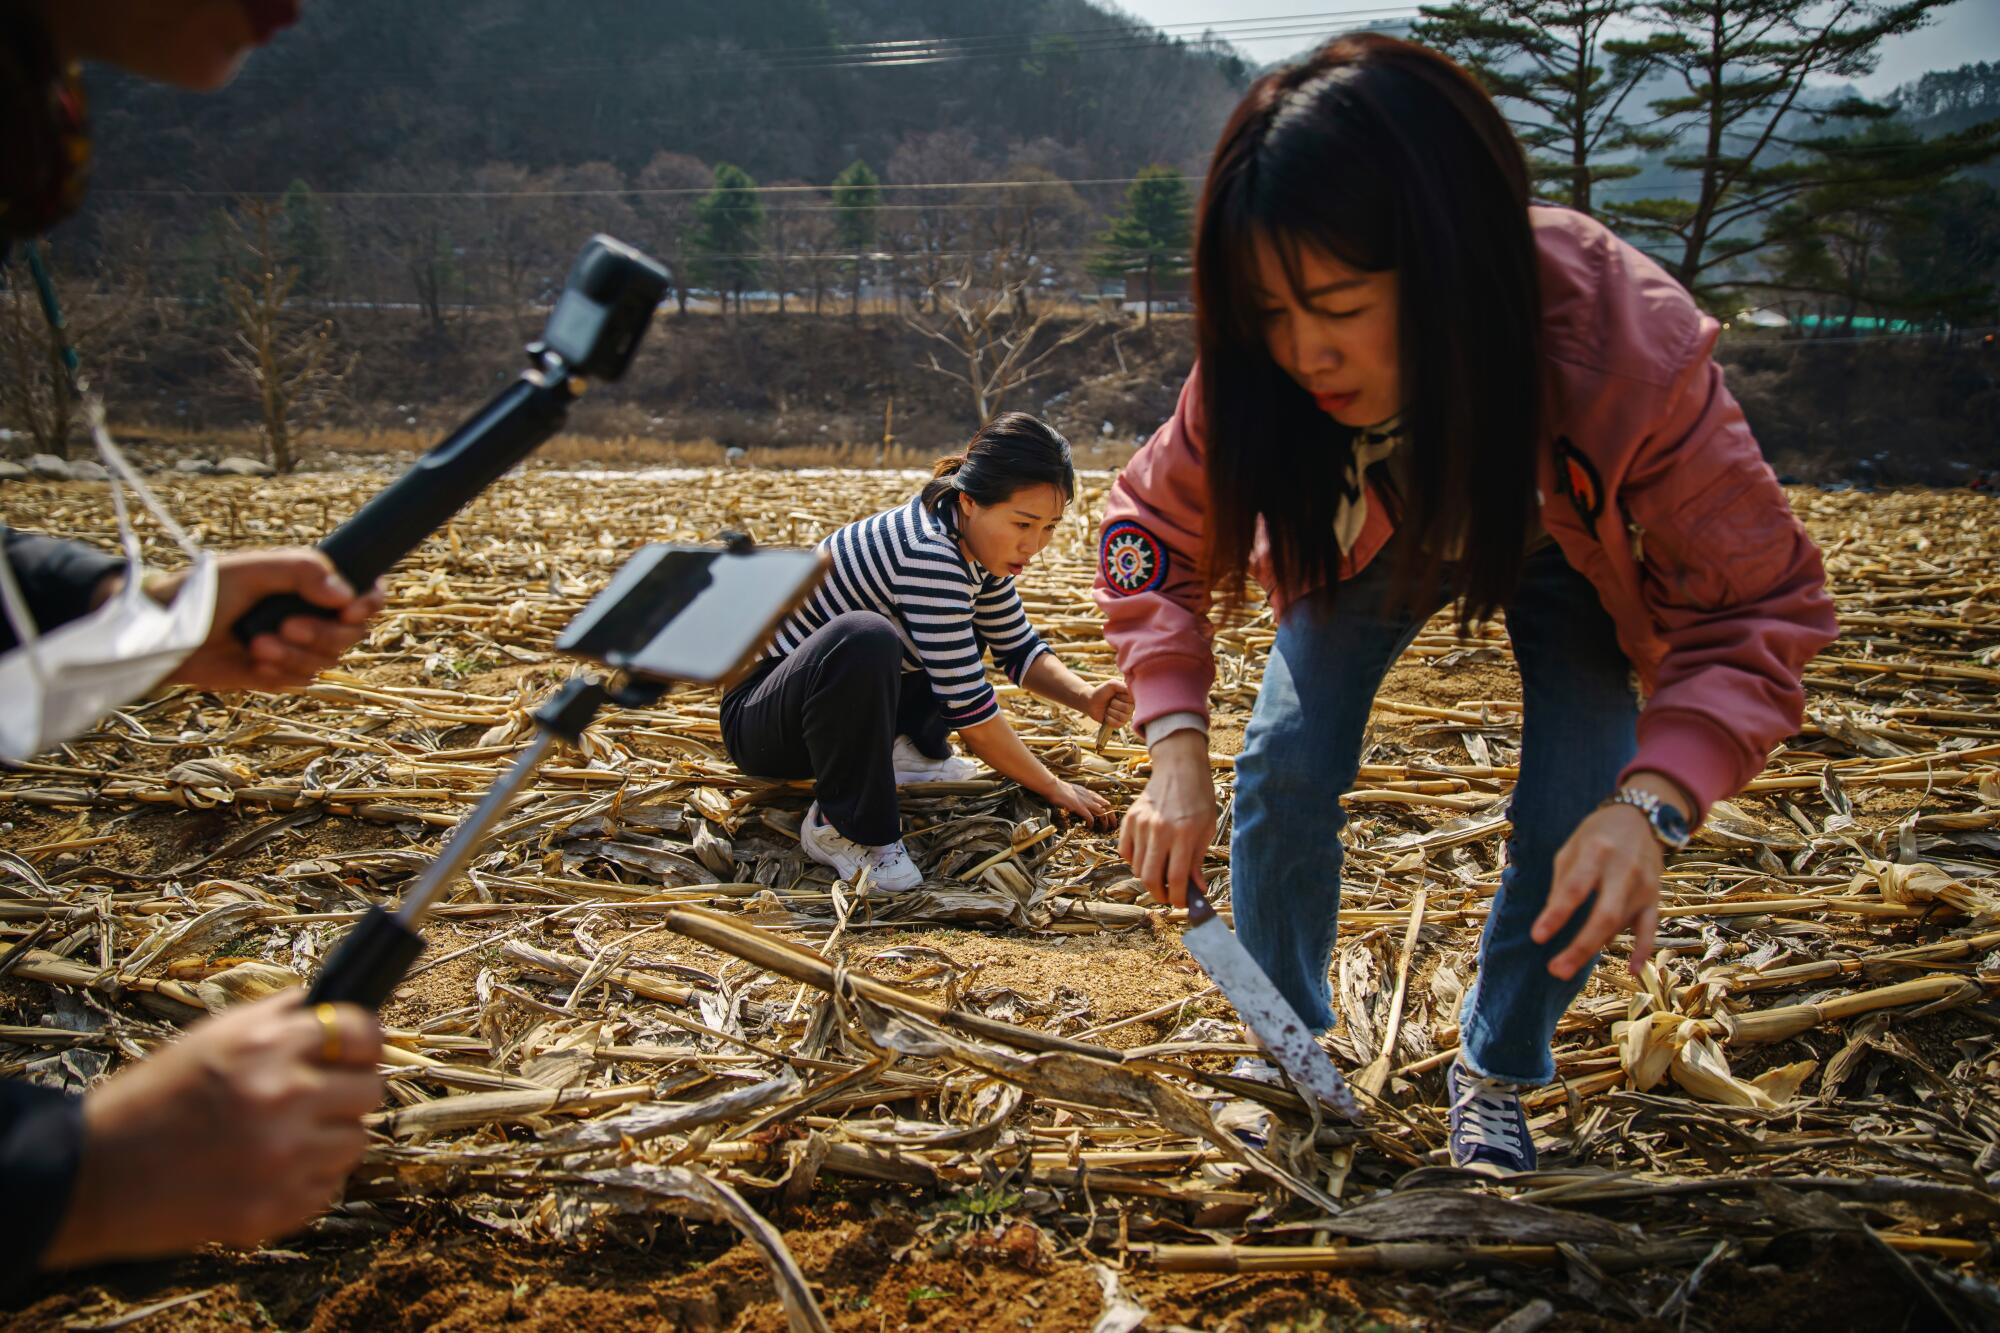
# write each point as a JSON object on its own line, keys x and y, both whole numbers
{"x": 1012, "y": 451}
{"x": 1386, "y": 156}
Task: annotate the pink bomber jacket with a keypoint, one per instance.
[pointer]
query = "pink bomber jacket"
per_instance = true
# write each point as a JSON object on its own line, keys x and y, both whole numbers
{"x": 1649, "y": 481}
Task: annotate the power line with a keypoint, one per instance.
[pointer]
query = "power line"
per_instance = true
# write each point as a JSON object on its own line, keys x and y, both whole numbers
{"x": 498, "y": 196}
{"x": 948, "y": 51}
{"x": 681, "y": 191}
{"x": 1253, "y": 29}
{"x": 1200, "y": 27}
{"x": 1619, "y": 185}
{"x": 916, "y": 256}
{"x": 1616, "y": 186}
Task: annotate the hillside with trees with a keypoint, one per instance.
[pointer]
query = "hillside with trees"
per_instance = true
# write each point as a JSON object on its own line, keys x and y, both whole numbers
{"x": 781, "y": 88}
{"x": 387, "y": 198}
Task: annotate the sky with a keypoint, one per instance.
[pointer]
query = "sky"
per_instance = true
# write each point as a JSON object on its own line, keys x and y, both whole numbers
{"x": 1963, "y": 32}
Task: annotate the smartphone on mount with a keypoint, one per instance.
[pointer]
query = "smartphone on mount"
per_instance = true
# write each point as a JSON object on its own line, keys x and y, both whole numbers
{"x": 692, "y": 614}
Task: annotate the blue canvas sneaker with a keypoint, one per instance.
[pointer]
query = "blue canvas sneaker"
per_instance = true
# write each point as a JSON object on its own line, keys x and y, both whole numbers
{"x": 1489, "y": 1130}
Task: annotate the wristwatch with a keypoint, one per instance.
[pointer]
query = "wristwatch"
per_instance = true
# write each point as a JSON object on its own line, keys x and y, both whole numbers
{"x": 1669, "y": 825}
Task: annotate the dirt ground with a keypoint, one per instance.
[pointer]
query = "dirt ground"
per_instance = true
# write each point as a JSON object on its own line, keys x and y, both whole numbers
{"x": 869, "y": 1279}
{"x": 377, "y": 762}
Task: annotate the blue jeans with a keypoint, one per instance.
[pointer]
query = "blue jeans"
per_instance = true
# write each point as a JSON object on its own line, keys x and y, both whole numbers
{"x": 1303, "y": 749}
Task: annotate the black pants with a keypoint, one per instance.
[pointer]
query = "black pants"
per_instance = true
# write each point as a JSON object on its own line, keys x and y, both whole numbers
{"x": 831, "y": 712}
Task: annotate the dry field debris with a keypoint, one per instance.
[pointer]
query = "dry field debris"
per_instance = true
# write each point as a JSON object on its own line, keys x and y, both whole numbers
{"x": 645, "y": 1004}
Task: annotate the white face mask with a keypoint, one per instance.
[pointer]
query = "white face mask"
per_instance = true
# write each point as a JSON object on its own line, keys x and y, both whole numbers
{"x": 57, "y": 685}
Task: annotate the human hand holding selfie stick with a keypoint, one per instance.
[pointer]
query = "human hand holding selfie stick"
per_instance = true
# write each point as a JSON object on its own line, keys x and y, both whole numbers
{"x": 592, "y": 333}
{"x": 672, "y": 614}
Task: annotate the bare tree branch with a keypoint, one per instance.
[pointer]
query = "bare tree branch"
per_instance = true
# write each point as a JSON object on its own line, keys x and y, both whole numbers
{"x": 991, "y": 338}
{"x": 294, "y": 372}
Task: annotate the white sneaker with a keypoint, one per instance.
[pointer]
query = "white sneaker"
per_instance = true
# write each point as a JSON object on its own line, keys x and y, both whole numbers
{"x": 887, "y": 868}
{"x": 913, "y": 765}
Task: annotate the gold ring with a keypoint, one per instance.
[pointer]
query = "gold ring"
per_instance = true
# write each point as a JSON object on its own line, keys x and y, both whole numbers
{"x": 330, "y": 1050}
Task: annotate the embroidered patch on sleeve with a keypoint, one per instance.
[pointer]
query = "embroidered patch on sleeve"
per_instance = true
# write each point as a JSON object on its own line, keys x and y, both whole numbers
{"x": 1133, "y": 560}
{"x": 1576, "y": 477}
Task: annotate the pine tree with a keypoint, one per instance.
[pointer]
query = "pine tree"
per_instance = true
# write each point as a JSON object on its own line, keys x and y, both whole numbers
{"x": 1152, "y": 235}
{"x": 1857, "y": 240}
{"x": 730, "y": 222}
{"x": 307, "y": 243}
{"x": 1744, "y": 67}
{"x": 1551, "y": 60}
{"x": 1952, "y": 255}
{"x": 857, "y": 194}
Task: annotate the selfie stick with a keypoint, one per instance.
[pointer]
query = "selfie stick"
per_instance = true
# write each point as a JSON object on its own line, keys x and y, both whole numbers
{"x": 378, "y": 952}
{"x": 592, "y": 333}
{"x": 615, "y": 628}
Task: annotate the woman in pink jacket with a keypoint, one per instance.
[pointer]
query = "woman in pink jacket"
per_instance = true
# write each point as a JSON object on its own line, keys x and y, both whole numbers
{"x": 1415, "y": 390}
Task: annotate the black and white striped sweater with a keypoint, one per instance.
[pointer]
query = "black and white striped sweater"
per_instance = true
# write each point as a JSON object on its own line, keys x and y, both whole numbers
{"x": 905, "y": 564}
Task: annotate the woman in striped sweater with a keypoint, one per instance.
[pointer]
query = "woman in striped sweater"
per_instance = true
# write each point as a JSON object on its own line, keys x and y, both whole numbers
{"x": 863, "y": 686}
